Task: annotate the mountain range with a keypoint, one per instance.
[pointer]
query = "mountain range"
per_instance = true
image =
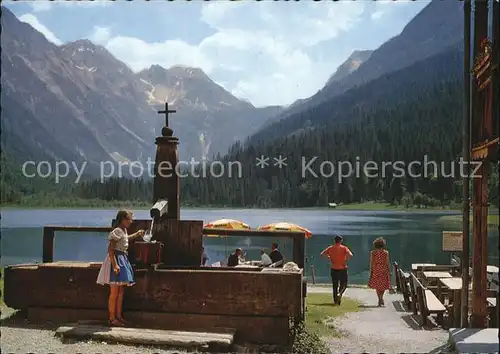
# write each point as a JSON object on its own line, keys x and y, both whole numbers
{"x": 379, "y": 104}
{"x": 76, "y": 102}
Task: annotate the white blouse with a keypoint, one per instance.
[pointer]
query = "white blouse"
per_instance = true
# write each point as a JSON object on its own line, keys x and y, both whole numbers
{"x": 121, "y": 237}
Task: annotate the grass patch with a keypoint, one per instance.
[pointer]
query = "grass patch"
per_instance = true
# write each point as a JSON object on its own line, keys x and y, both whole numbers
{"x": 308, "y": 335}
{"x": 321, "y": 310}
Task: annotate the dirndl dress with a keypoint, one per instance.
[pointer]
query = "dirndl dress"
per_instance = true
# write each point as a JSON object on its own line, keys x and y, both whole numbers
{"x": 106, "y": 273}
{"x": 124, "y": 277}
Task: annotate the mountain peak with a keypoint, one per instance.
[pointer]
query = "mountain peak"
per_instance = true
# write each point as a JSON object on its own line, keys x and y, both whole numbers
{"x": 352, "y": 63}
{"x": 360, "y": 53}
{"x": 192, "y": 72}
{"x": 88, "y": 56}
{"x": 84, "y": 45}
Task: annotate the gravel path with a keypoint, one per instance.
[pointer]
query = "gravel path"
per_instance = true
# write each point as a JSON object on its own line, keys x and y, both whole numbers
{"x": 373, "y": 330}
{"x": 388, "y": 329}
{"x": 18, "y": 336}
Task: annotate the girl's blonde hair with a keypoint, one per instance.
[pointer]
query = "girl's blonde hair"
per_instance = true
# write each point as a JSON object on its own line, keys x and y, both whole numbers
{"x": 122, "y": 215}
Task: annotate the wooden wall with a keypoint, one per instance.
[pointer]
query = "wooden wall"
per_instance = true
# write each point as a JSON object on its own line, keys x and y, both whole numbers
{"x": 227, "y": 296}
{"x": 183, "y": 240}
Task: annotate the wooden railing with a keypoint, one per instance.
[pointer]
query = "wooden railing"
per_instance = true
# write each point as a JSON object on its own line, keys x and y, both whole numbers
{"x": 49, "y": 233}
{"x": 298, "y": 238}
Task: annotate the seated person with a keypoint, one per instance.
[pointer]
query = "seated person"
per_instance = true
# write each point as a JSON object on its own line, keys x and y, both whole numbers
{"x": 204, "y": 257}
{"x": 266, "y": 260}
{"x": 275, "y": 254}
{"x": 234, "y": 258}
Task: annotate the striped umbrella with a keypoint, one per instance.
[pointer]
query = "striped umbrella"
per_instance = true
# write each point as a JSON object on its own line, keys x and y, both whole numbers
{"x": 226, "y": 224}
{"x": 285, "y": 226}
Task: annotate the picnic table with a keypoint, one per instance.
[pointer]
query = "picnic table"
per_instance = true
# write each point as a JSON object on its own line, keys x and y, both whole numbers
{"x": 433, "y": 275}
{"x": 454, "y": 286}
{"x": 416, "y": 266}
{"x": 247, "y": 265}
{"x": 491, "y": 269}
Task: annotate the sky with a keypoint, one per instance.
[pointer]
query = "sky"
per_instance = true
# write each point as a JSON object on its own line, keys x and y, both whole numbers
{"x": 267, "y": 52}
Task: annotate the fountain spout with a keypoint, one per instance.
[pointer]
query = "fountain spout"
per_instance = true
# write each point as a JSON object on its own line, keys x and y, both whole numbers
{"x": 159, "y": 209}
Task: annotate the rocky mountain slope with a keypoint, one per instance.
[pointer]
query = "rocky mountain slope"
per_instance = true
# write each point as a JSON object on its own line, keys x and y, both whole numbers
{"x": 209, "y": 119}
{"x": 352, "y": 64}
{"x": 77, "y": 102}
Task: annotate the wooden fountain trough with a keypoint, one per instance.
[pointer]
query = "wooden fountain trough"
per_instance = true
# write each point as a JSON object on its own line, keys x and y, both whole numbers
{"x": 177, "y": 294}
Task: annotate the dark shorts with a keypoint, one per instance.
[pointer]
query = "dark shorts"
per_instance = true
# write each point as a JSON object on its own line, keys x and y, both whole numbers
{"x": 339, "y": 275}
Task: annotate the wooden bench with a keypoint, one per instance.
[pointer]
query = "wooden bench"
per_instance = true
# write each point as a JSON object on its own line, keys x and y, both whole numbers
{"x": 427, "y": 302}
{"x": 405, "y": 287}
{"x": 492, "y": 311}
{"x": 397, "y": 276}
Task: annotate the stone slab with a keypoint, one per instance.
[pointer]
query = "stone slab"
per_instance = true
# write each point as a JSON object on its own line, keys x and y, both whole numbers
{"x": 474, "y": 340}
{"x": 147, "y": 336}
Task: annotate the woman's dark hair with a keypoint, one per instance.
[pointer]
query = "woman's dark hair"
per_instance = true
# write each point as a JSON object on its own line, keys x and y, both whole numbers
{"x": 379, "y": 243}
{"x": 122, "y": 215}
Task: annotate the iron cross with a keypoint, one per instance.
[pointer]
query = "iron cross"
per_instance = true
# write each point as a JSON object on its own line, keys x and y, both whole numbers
{"x": 166, "y": 112}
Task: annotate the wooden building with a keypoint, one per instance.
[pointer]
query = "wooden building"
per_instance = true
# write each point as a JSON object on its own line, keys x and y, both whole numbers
{"x": 480, "y": 142}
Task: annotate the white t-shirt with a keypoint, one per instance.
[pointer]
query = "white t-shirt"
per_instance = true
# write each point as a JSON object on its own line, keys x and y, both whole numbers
{"x": 121, "y": 238}
{"x": 266, "y": 260}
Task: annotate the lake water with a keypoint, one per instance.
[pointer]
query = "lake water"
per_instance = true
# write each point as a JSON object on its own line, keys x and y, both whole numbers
{"x": 411, "y": 237}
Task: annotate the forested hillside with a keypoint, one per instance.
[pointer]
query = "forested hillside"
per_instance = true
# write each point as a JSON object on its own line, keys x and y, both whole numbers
{"x": 398, "y": 87}
{"x": 428, "y": 125}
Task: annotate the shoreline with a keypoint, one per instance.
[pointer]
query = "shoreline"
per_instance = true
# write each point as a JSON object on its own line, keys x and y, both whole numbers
{"x": 453, "y": 215}
{"x": 366, "y": 206}
{"x": 492, "y": 221}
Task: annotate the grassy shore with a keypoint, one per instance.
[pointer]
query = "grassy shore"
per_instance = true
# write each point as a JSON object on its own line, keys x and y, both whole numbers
{"x": 377, "y": 206}
{"x": 456, "y": 220}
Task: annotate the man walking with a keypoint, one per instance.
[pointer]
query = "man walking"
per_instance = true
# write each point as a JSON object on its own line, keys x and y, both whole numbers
{"x": 338, "y": 255}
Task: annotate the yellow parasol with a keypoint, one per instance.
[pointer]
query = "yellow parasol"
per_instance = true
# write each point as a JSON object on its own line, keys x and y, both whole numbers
{"x": 285, "y": 226}
{"x": 226, "y": 224}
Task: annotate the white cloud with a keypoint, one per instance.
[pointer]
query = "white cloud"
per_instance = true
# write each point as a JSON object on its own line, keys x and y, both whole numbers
{"x": 33, "y": 21}
{"x": 377, "y": 15}
{"x": 139, "y": 54}
{"x": 381, "y": 8}
{"x": 260, "y": 50}
{"x": 305, "y": 24}
{"x": 274, "y": 70}
{"x": 101, "y": 35}
{"x": 40, "y": 5}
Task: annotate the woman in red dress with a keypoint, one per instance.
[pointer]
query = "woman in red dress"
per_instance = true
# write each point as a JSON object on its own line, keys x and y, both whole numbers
{"x": 380, "y": 269}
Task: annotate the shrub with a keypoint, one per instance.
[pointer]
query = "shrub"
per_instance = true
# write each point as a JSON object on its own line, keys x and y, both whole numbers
{"x": 306, "y": 341}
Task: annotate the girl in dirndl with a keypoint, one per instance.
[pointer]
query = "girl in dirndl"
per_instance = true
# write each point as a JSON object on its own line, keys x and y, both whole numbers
{"x": 380, "y": 269}
{"x": 116, "y": 269}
